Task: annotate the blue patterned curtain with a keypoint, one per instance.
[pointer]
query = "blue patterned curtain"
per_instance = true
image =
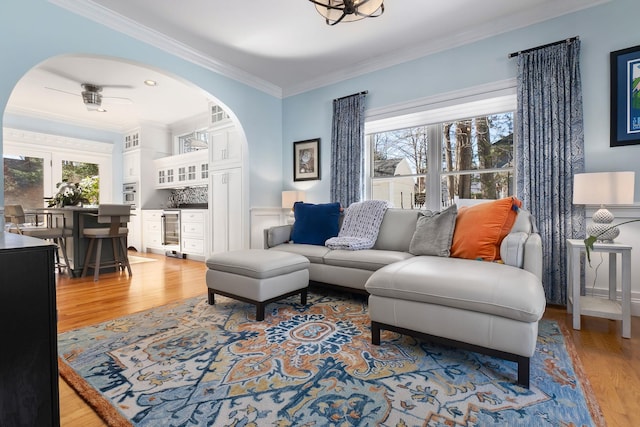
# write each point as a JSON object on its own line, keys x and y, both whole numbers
{"x": 550, "y": 150}
{"x": 347, "y": 145}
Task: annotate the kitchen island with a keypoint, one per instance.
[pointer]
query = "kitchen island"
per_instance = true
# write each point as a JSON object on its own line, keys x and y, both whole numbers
{"x": 78, "y": 218}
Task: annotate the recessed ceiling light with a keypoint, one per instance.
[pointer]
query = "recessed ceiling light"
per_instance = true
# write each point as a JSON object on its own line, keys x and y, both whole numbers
{"x": 151, "y": 83}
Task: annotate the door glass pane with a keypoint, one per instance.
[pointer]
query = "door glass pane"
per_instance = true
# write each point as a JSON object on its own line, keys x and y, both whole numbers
{"x": 85, "y": 174}
{"x": 24, "y": 181}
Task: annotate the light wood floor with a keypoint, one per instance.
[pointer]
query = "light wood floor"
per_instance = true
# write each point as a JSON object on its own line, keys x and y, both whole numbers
{"x": 611, "y": 363}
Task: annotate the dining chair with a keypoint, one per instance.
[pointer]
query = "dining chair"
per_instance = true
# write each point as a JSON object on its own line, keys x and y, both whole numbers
{"x": 16, "y": 220}
{"x": 114, "y": 215}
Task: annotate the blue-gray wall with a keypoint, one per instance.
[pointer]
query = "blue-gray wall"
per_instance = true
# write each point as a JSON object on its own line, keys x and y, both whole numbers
{"x": 602, "y": 29}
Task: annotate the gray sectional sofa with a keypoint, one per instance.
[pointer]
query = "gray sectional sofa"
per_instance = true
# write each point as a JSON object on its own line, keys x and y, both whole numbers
{"x": 487, "y": 307}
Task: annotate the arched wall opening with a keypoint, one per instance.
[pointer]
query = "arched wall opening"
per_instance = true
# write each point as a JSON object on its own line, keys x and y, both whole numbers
{"x": 40, "y": 112}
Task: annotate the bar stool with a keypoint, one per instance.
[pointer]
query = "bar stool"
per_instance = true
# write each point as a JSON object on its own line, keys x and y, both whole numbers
{"x": 16, "y": 219}
{"x": 115, "y": 215}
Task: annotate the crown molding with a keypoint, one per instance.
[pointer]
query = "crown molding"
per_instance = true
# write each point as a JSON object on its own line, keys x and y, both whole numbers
{"x": 95, "y": 12}
{"x": 122, "y": 24}
{"x": 75, "y": 121}
{"x": 67, "y": 120}
{"x": 60, "y": 143}
{"x": 514, "y": 22}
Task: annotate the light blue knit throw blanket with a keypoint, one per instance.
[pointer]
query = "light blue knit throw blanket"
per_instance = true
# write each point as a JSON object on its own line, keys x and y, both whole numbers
{"x": 360, "y": 226}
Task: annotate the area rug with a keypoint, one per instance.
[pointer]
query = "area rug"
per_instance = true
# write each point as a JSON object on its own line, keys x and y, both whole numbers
{"x": 192, "y": 364}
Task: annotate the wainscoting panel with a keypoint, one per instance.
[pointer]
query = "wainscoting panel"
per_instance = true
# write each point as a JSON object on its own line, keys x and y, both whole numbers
{"x": 262, "y": 218}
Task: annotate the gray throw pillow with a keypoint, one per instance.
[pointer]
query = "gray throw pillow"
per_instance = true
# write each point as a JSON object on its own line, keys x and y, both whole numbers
{"x": 434, "y": 232}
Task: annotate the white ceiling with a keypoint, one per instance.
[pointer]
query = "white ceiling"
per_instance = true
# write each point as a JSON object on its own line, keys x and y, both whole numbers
{"x": 282, "y": 47}
{"x": 52, "y": 91}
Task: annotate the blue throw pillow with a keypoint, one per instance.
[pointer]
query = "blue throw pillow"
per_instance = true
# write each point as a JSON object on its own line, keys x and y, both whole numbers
{"x": 314, "y": 224}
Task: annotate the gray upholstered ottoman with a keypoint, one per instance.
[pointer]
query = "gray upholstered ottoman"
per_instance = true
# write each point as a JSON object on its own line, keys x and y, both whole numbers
{"x": 257, "y": 276}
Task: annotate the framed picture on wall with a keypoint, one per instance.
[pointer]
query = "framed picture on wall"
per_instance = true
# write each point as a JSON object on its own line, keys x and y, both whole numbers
{"x": 625, "y": 97}
{"x": 306, "y": 160}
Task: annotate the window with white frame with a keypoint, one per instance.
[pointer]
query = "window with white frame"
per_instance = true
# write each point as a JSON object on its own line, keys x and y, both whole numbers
{"x": 432, "y": 159}
{"x": 193, "y": 141}
{"x": 36, "y": 162}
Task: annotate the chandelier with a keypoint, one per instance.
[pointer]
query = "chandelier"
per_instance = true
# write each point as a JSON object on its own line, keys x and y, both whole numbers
{"x": 335, "y": 11}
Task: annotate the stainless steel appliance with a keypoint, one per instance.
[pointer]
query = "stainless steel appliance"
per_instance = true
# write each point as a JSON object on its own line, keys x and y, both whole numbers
{"x": 170, "y": 224}
{"x": 130, "y": 194}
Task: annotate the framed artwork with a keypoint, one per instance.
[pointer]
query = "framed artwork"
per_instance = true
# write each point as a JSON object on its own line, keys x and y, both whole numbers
{"x": 625, "y": 97}
{"x": 306, "y": 160}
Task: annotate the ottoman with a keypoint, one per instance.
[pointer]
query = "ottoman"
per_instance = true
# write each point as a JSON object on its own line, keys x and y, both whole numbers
{"x": 257, "y": 276}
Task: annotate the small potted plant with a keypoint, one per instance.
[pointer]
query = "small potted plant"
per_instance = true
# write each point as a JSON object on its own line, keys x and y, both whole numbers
{"x": 69, "y": 194}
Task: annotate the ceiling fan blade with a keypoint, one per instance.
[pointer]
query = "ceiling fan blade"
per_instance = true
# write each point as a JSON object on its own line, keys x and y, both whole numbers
{"x": 117, "y": 86}
{"x": 116, "y": 100}
{"x": 62, "y": 91}
{"x": 61, "y": 74}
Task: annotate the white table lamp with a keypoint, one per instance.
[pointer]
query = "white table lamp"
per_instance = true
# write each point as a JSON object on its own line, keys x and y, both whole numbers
{"x": 603, "y": 188}
{"x": 289, "y": 198}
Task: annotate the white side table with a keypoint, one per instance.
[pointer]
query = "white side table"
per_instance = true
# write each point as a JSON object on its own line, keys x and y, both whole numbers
{"x": 609, "y": 308}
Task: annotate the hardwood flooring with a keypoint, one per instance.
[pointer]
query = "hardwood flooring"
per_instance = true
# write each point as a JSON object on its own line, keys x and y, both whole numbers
{"x": 611, "y": 363}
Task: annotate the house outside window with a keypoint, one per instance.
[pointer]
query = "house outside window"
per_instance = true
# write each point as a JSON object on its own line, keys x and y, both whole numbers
{"x": 431, "y": 166}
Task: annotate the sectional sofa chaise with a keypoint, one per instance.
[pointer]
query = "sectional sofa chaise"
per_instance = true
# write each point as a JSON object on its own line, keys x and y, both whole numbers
{"x": 485, "y": 306}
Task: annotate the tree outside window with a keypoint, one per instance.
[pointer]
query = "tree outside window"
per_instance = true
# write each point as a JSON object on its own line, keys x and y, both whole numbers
{"x": 86, "y": 175}
{"x": 476, "y": 157}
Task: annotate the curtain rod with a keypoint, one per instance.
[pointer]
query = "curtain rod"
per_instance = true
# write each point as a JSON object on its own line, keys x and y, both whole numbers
{"x": 569, "y": 40}
{"x": 364, "y": 92}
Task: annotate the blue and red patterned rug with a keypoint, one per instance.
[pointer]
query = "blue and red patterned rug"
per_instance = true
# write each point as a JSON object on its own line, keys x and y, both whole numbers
{"x": 191, "y": 364}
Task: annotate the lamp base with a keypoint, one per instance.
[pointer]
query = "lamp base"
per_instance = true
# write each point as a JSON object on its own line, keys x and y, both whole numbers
{"x": 602, "y": 228}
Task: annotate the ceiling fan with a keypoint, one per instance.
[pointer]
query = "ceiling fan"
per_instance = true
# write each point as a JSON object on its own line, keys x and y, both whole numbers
{"x": 92, "y": 97}
{"x": 91, "y": 93}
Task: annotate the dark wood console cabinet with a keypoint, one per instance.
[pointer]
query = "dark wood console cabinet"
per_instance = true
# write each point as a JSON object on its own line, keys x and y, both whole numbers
{"x": 29, "y": 357}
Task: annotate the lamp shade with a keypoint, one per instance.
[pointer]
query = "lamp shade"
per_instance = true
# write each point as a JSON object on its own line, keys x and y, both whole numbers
{"x": 603, "y": 188}
{"x": 290, "y": 197}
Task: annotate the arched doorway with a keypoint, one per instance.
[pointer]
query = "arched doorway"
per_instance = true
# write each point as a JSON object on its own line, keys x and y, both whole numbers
{"x": 49, "y": 107}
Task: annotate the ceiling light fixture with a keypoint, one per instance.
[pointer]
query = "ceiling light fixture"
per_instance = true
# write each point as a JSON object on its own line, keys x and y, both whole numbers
{"x": 335, "y": 11}
{"x": 91, "y": 96}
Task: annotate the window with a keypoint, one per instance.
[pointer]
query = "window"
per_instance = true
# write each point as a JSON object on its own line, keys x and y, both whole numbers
{"x": 85, "y": 174}
{"x": 24, "y": 180}
{"x": 193, "y": 141}
{"x": 434, "y": 164}
{"x": 477, "y": 158}
{"x": 35, "y": 163}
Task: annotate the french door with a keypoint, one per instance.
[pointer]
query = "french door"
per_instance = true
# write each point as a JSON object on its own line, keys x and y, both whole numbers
{"x": 31, "y": 176}
{"x": 28, "y": 177}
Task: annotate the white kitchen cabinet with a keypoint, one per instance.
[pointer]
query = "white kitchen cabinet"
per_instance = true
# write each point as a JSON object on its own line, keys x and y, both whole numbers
{"x": 225, "y": 146}
{"x": 140, "y": 147}
{"x": 132, "y": 140}
{"x": 226, "y": 210}
{"x": 152, "y": 230}
{"x": 134, "y": 239}
{"x": 193, "y": 227}
{"x": 131, "y": 166}
{"x": 217, "y": 115}
{"x": 182, "y": 170}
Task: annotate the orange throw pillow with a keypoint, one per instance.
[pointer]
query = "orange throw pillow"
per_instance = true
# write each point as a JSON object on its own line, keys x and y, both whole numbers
{"x": 481, "y": 228}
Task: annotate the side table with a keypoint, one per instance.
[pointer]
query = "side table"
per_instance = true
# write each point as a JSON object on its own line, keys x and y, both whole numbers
{"x": 609, "y": 308}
